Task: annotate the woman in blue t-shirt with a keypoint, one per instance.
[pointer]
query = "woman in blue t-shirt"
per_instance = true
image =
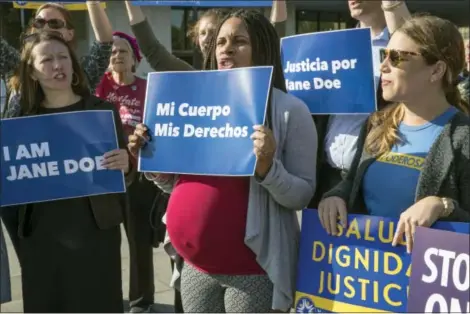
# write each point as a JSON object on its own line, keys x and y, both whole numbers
{"x": 413, "y": 160}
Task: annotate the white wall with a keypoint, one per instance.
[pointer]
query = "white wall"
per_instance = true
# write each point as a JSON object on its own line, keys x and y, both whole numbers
{"x": 159, "y": 17}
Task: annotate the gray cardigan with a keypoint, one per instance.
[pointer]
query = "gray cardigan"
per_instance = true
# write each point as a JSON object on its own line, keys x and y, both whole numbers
{"x": 445, "y": 173}
{"x": 272, "y": 227}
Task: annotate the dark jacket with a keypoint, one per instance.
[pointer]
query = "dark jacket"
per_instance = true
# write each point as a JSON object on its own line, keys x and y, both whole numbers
{"x": 108, "y": 208}
{"x": 328, "y": 177}
{"x": 445, "y": 173}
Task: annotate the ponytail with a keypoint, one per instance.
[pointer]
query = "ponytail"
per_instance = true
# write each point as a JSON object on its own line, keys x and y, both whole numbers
{"x": 454, "y": 96}
{"x": 382, "y": 129}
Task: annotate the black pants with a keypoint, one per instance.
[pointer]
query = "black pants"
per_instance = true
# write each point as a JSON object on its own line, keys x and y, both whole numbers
{"x": 138, "y": 226}
{"x": 57, "y": 278}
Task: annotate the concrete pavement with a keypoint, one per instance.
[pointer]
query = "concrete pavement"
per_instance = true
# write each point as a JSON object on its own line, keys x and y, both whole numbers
{"x": 163, "y": 293}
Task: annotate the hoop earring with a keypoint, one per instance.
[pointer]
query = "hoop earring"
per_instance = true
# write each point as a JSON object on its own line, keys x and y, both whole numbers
{"x": 75, "y": 79}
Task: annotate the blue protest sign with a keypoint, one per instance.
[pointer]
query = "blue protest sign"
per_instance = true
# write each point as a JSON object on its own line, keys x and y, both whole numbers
{"x": 205, "y": 3}
{"x": 332, "y": 72}
{"x": 358, "y": 271}
{"x": 57, "y": 156}
{"x": 201, "y": 121}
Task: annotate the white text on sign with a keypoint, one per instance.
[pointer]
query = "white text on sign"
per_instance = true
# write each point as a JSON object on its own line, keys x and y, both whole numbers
{"x": 46, "y": 168}
{"x": 186, "y": 110}
{"x": 317, "y": 65}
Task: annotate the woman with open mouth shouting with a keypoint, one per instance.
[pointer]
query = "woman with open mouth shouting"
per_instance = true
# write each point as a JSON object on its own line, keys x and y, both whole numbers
{"x": 239, "y": 236}
{"x": 55, "y": 17}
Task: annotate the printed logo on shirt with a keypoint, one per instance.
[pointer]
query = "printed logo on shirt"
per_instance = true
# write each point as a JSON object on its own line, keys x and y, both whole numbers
{"x": 129, "y": 108}
{"x": 404, "y": 160}
{"x": 123, "y": 100}
{"x": 130, "y": 116}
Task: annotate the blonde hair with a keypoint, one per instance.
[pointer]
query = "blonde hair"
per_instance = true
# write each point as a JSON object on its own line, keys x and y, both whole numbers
{"x": 215, "y": 14}
{"x": 439, "y": 40}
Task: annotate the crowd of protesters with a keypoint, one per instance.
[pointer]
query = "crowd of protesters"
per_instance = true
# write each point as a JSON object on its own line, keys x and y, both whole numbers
{"x": 232, "y": 242}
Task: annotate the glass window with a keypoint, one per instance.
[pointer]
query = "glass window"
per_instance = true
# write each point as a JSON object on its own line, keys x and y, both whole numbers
{"x": 191, "y": 19}
{"x": 304, "y": 27}
{"x": 328, "y": 21}
{"x": 344, "y": 21}
{"x": 81, "y": 35}
{"x": 315, "y": 21}
{"x": 181, "y": 21}
{"x": 11, "y": 21}
{"x": 307, "y": 22}
{"x": 178, "y": 33}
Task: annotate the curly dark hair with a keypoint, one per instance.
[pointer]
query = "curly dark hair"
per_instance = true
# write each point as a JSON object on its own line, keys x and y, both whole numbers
{"x": 265, "y": 43}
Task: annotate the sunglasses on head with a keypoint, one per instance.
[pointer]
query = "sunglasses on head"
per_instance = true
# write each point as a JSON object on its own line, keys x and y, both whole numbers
{"x": 395, "y": 57}
{"x": 52, "y": 23}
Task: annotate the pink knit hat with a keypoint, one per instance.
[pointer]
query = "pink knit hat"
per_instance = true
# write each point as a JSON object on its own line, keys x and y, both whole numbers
{"x": 132, "y": 41}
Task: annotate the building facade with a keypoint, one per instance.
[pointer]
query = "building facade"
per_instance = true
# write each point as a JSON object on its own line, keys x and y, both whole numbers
{"x": 170, "y": 24}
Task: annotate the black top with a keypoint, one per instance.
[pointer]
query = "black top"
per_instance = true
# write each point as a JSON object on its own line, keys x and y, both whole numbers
{"x": 106, "y": 209}
{"x": 70, "y": 221}
{"x": 78, "y": 106}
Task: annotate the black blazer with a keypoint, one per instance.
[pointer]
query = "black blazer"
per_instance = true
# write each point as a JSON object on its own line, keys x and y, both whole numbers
{"x": 107, "y": 209}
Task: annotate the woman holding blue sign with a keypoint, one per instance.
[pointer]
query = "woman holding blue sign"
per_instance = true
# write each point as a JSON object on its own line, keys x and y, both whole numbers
{"x": 55, "y": 17}
{"x": 70, "y": 248}
{"x": 413, "y": 161}
{"x": 160, "y": 59}
{"x": 238, "y": 236}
